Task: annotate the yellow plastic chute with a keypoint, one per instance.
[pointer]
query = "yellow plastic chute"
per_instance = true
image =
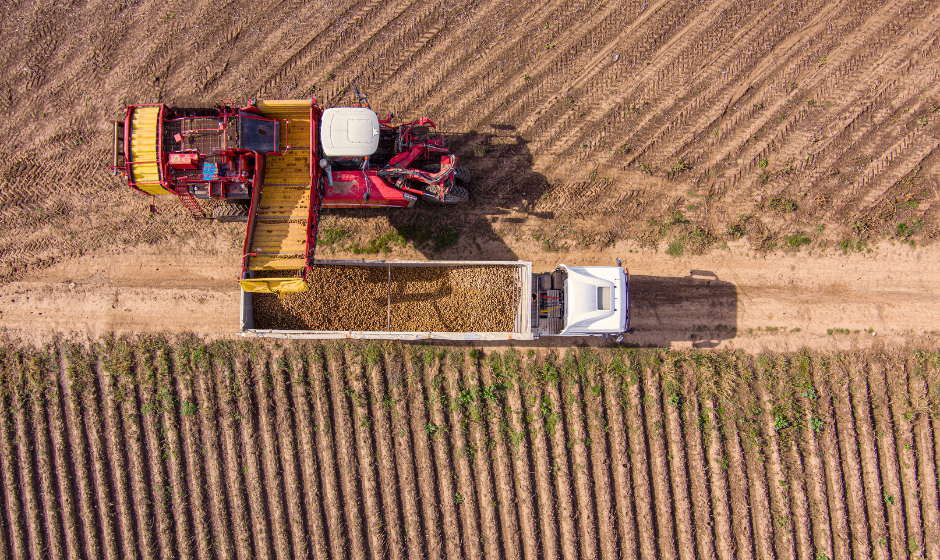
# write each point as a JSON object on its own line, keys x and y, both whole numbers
{"x": 279, "y": 286}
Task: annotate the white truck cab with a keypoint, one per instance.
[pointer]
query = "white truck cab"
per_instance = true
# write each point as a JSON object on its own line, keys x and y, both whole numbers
{"x": 581, "y": 301}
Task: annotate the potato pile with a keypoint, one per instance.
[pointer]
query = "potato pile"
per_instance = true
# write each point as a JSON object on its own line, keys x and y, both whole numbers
{"x": 442, "y": 299}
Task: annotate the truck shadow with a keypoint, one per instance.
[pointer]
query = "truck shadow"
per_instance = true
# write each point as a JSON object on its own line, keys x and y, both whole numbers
{"x": 699, "y": 309}
{"x": 503, "y": 188}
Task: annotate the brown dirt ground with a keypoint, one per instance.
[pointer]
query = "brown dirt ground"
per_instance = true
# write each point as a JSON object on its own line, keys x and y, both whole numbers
{"x": 591, "y": 130}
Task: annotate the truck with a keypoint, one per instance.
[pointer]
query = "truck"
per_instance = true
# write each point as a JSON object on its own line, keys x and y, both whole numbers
{"x": 567, "y": 302}
{"x": 275, "y": 164}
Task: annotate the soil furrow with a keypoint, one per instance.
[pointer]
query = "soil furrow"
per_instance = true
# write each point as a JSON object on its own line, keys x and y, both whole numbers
{"x": 439, "y": 428}
{"x": 261, "y": 532}
{"x": 15, "y": 522}
{"x": 648, "y": 529}
{"x": 26, "y": 409}
{"x": 285, "y": 425}
{"x": 772, "y": 466}
{"x": 675, "y": 446}
{"x": 115, "y": 431}
{"x": 228, "y": 391}
{"x": 567, "y": 508}
{"x": 896, "y": 501}
{"x": 497, "y": 429}
{"x": 926, "y": 429}
{"x": 66, "y": 473}
{"x": 619, "y": 458}
{"x": 652, "y": 415}
{"x": 717, "y": 465}
{"x": 221, "y": 510}
{"x": 48, "y": 468}
{"x": 834, "y": 483}
{"x": 814, "y": 471}
{"x": 324, "y": 430}
{"x": 101, "y": 476}
{"x": 898, "y": 399}
{"x": 193, "y": 446}
{"x": 610, "y": 539}
{"x": 579, "y": 457}
{"x": 344, "y": 421}
{"x": 695, "y": 434}
{"x": 373, "y": 507}
{"x": 466, "y": 494}
{"x": 140, "y": 476}
{"x": 876, "y": 499}
{"x": 846, "y": 438}
{"x": 394, "y": 513}
{"x": 311, "y": 482}
{"x": 429, "y": 491}
{"x": 270, "y": 462}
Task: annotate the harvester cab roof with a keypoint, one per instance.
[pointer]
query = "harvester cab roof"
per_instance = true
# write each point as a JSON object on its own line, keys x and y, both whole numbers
{"x": 349, "y": 132}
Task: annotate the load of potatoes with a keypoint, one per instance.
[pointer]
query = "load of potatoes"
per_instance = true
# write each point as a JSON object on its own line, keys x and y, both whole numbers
{"x": 422, "y": 299}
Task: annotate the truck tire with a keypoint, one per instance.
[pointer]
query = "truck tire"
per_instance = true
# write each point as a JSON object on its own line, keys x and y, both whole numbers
{"x": 231, "y": 212}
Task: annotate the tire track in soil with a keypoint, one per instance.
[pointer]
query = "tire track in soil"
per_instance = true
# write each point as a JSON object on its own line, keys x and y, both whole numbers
{"x": 270, "y": 462}
{"x": 347, "y": 465}
{"x": 698, "y": 471}
{"x": 652, "y": 414}
{"x": 896, "y": 501}
{"x": 579, "y": 458}
{"x": 285, "y": 426}
{"x": 222, "y": 511}
{"x": 652, "y": 543}
{"x": 254, "y": 476}
{"x": 311, "y": 484}
{"x": 395, "y": 546}
{"x": 618, "y": 455}
{"x": 423, "y": 462}
{"x": 609, "y": 535}
{"x": 195, "y": 466}
{"x": 848, "y": 449}
{"x": 926, "y": 434}
{"x": 491, "y": 528}
{"x": 435, "y": 379}
{"x": 48, "y": 468}
{"x": 373, "y": 513}
{"x": 233, "y": 456}
{"x": 469, "y": 510}
{"x": 843, "y": 539}
{"x": 115, "y": 447}
{"x": 723, "y": 515}
{"x": 898, "y": 399}
{"x": 111, "y": 539}
{"x": 65, "y": 461}
{"x": 870, "y": 455}
{"x": 675, "y": 447}
{"x": 499, "y": 456}
{"x": 323, "y": 405}
{"x": 568, "y": 515}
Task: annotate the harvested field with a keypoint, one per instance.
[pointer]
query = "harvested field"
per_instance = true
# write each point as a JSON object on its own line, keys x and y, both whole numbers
{"x": 372, "y": 298}
{"x": 136, "y": 448}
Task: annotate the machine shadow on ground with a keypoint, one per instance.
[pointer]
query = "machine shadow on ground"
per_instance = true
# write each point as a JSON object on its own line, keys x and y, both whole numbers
{"x": 699, "y": 308}
{"x": 503, "y": 184}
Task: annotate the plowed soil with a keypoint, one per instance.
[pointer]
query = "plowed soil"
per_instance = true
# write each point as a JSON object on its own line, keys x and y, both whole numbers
{"x": 143, "y": 448}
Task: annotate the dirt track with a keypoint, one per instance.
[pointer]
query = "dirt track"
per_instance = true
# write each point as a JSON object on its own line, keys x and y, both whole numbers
{"x": 729, "y": 299}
